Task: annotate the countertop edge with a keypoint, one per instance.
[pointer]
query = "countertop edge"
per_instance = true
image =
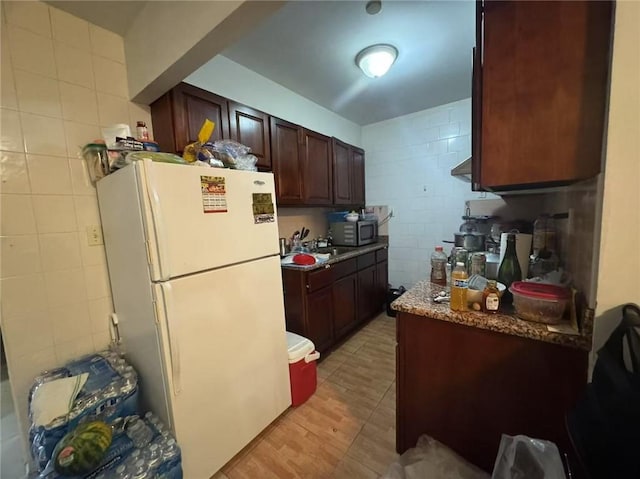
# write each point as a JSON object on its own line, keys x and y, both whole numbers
{"x": 338, "y": 258}
{"x": 418, "y": 306}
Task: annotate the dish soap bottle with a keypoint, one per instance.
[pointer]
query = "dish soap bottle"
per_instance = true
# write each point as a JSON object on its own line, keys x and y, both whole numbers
{"x": 509, "y": 270}
{"x": 459, "y": 287}
{"x": 491, "y": 298}
{"x": 438, "y": 267}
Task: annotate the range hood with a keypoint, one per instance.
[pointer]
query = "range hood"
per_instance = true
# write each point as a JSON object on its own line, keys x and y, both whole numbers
{"x": 462, "y": 170}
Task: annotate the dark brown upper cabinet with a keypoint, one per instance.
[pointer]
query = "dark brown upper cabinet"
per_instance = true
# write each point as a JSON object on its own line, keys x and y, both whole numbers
{"x": 251, "y": 128}
{"x": 348, "y": 174}
{"x": 540, "y": 92}
{"x": 286, "y": 157}
{"x": 341, "y": 173}
{"x": 317, "y": 184}
{"x": 302, "y": 165}
{"x": 178, "y": 115}
{"x": 357, "y": 176}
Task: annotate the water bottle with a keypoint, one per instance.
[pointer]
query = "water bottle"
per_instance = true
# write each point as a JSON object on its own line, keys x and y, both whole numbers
{"x": 139, "y": 433}
{"x": 170, "y": 450}
{"x": 135, "y": 455}
{"x": 127, "y": 384}
{"x": 140, "y": 470}
{"x": 153, "y": 455}
{"x": 122, "y": 472}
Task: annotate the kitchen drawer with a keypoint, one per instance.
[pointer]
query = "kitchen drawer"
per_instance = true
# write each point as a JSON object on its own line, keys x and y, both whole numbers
{"x": 319, "y": 278}
{"x": 366, "y": 260}
{"x": 344, "y": 268}
{"x": 382, "y": 255}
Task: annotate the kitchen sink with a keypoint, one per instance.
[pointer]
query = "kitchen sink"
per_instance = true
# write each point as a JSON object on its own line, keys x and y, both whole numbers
{"x": 338, "y": 250}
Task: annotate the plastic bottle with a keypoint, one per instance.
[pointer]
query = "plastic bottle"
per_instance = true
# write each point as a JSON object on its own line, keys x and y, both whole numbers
{"x": 153, "y": 455}
{"x": 459, "y": 287}
{"x": 438, "y": 267}
{"x": 170, "y": 450}
{"x": 509, "y": 270}
{"x": 140, "y": 470}
{"x": 142, "y": 133}
{"x": 491, "y": 298}
{"x": 122, "y": 472}
{"x": 544, "y": 236}
{"x": 139, "y": 433}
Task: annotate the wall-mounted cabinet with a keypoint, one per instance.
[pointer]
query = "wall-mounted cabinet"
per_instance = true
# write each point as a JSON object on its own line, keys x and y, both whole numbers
{"x": 306, "y": 169}
{"x": 301, "y": 164}
{"x": 540, "y": 92}
{"x": 348, "y": 174}
{"x": 178, "y": 115}
{"x": 317, "y": 169}
{"x": 251, "y": 128}
{"x": 286, "y": 160}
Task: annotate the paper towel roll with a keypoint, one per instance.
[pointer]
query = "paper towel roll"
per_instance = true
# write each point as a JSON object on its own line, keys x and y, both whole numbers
{"x": 523, "y": 250}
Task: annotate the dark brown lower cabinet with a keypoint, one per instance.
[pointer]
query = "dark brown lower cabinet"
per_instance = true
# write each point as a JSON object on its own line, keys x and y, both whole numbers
{"x": 467, "y": 386}
{"x": 328, "y": 303}
{"x": 345, "y": 299}
{"x": 367, "y": 300}
{"x": 320, "y": 318}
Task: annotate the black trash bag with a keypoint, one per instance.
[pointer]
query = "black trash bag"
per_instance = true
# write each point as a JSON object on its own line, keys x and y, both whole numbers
{"x": 392, "y": 295}
{"x": 605, "y": 425}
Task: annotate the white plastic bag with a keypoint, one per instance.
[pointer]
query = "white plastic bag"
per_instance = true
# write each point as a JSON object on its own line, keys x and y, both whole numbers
{"x": 522, "y": 457}
{"x": 433, "y": 460}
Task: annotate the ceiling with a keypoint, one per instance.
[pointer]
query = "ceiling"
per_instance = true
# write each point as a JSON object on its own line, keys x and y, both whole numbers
{"x": 309, "y": 47}
{"x": 113, "y": 15}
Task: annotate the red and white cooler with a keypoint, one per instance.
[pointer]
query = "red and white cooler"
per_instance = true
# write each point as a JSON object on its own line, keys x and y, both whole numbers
{"x": 302, "y": 368}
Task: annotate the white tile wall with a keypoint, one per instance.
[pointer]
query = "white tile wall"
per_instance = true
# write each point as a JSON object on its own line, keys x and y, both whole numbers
{"x": 62, "y": 78}
{"x": 408, "y": 166}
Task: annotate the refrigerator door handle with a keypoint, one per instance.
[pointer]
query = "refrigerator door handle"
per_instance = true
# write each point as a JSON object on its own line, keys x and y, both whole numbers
{"x": 158, "y": 220}
{"x": 174, "y": 336}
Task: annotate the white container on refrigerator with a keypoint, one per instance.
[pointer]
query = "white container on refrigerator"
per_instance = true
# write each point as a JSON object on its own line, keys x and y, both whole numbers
{"x": 197, "y": 290}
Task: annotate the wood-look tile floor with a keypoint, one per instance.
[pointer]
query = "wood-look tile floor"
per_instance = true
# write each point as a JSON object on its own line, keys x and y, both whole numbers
{"x": 346, "y": 429}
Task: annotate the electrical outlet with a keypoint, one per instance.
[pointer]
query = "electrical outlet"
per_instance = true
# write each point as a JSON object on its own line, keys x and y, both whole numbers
{"x": 94, "y": 235}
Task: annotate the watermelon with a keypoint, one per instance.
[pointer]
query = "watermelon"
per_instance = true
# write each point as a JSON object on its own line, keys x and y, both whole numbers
{"x": 81, "y": 450}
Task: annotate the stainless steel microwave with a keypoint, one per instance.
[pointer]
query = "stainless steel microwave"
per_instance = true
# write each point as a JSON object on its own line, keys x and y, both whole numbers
{"x": 357, "y": 233}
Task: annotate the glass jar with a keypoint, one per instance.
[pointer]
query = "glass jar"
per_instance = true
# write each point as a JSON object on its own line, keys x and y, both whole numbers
{"x": 478, "y": 264}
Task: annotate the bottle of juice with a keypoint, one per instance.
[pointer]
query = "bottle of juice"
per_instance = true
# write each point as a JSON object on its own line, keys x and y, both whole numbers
{"x": 459, "y": 278}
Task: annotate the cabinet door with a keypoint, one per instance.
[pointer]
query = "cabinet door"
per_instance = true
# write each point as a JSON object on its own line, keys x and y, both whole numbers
{"x": 251, "y": 128}
{"x": 357, "y": 177}
{"x": 191, "y": 106}
{"x": 544, "y": 90}
{"x": 345, "y": 299}
{"x": 382, "y": 280}
{"x": 367, "y": 293}
{"x": 341, "y": 173}
{"x": 316, "y": 168}
{"x": 320, "y": 318}
{"x": 286, "y": 159}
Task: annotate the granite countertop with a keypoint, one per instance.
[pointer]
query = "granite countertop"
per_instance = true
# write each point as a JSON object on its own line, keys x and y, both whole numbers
{"x": 419, "y": 301}
{"x": 352, "y": 253}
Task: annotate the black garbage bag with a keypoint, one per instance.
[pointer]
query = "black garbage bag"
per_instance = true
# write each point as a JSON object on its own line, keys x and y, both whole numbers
{"x": 605, "y": 425}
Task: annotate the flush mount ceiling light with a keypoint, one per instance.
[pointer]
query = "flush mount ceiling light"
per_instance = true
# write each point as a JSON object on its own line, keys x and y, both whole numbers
{"x": 375, "y": 61}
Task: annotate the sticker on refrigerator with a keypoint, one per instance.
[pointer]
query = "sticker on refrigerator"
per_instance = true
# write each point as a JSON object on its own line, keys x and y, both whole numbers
{"x": 214, "y": 195}
{"x": 263, "y": 210}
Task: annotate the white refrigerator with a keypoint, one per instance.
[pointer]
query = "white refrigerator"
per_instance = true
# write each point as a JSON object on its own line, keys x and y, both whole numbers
{"x": 194, "y": 267}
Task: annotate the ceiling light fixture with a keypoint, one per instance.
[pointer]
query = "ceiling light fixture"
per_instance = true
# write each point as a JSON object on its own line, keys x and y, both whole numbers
{"x": 375, "y": 61}
{"x": 373, "y": 7}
